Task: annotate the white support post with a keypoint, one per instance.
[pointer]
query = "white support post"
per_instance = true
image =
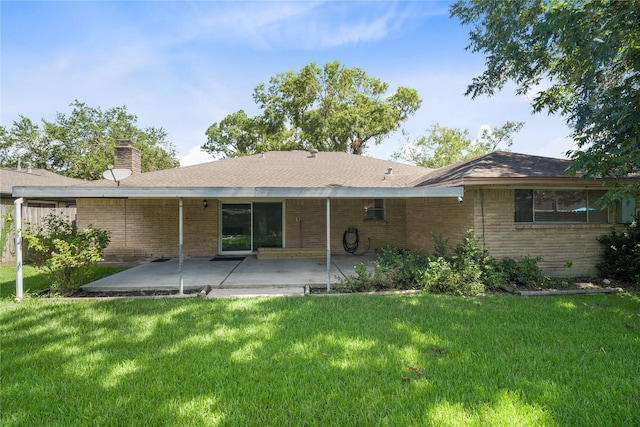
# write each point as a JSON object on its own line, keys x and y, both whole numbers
{"x": 328, "y": 244}
{"x": 181, "y": 246}
{"x": 18, "y": 245}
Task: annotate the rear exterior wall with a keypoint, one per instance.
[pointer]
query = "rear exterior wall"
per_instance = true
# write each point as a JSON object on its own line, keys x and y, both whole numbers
{"x": 149, "y": 228}
{"x": 444, "y": 218}
{"x": 566, "y": 249}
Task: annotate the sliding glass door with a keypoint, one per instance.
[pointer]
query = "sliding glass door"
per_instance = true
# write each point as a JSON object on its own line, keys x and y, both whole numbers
{"x": 245, "y": 227}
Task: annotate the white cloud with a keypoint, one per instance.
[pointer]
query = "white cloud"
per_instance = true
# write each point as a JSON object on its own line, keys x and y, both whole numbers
{"x": 196, "y": 156}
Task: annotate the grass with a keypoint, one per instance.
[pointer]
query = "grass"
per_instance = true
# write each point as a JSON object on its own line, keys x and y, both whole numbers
{"x": 34, "y": 281}
{"x": 355, "y": 360}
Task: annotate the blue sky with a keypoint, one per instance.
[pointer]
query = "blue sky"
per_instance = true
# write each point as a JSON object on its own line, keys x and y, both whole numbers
{"x": 184, "y": 65}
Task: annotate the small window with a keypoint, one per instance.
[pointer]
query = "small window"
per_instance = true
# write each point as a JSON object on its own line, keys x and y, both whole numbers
{"x": 559, "y": 206}
{"x": 41, "y": 205}
{"x": 374, "y": 210}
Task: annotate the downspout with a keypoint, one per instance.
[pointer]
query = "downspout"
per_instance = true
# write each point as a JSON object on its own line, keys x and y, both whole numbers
{"x": 181, "y": 246}
{"x": 328, "y": 244}
{"x": 18, "y": 246}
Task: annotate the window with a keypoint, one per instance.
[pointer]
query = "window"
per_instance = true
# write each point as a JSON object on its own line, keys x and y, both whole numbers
{"x": 559, "y": 206}
{"x": 374, "y": 210}
{"x": 42, "y": 205}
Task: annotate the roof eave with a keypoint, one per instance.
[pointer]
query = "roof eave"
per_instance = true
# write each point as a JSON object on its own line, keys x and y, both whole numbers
{"x": 237, "y": 192}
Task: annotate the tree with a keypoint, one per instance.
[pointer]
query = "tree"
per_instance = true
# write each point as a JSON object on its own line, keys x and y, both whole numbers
{"x": 81, "y": 144}
{"x": 444, "y": 146}
{"x": 586, "y": 53}
{"x": 333, "y": 108}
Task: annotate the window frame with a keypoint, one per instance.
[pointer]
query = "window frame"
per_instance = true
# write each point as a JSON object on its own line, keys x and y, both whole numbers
{"x": 377, "y": 207}
{"x": 527, "y": 196}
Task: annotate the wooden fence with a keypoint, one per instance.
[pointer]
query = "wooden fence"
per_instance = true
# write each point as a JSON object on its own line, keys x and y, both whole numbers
{"x": 30, "y": 215}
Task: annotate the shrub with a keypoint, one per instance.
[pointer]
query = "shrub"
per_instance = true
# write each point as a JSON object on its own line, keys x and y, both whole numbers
{"x": 523, "y": 271}
{"x": 470, "y": 254}
{"x": 441, "y": 276}
{"x": 405, "y": 268}
{"x": 7, "y": 228}
{"x": 365, "y": 281}
{"x": 467, "y": 270}
{"x": 621, "y": 255}
{"x": 64, "y": 253}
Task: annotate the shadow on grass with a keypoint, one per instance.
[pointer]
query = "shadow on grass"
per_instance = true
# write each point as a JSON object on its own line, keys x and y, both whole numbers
{"x": 357, "y": 360}
{"x": 33, "y": 280}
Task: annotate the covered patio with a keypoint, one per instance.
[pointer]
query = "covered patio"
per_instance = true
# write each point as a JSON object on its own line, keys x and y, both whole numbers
{"x": 231, "y": 276}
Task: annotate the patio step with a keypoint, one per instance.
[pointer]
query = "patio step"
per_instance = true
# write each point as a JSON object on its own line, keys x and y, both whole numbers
{"x": 291, "y": 253}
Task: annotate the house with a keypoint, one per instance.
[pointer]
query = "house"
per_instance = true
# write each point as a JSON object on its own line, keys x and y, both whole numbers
{"x": 38, "y": 178}
{"x": 310, "y": 202}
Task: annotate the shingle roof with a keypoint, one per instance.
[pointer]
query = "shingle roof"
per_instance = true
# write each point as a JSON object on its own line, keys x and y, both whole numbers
{"x": 281, "y": 169}
{"x": 498, "y": 164}
{"x": 35, "y": 177}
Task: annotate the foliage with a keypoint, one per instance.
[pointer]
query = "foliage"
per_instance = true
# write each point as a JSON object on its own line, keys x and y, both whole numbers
{"x": 467, "y": 270}
{"x": 64, "y": 253}
{"x": 81, "y": 144}
{"x": 402, "y": 360}
{"x": 34, "y": 280}
{"x": 7, "y": 227}
{"x": 621, "y": 254}
{"x": 523, "y": 271}
{"x": 583, "y": 60}
{"x": 333, "y": 108}
{"x": 444, "y": 146}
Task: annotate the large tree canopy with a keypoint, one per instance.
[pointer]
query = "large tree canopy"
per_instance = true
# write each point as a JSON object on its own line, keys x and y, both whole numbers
{"x": 443, "y": 146}
{"x": 582, "y": 58}
{"x": 81, "y": 145}
{"x": 333, "y": 108}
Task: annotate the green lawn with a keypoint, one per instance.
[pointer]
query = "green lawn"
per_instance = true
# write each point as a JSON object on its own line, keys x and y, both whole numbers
{"x": 354, "y": 360}
{"x": 33, "y": 280}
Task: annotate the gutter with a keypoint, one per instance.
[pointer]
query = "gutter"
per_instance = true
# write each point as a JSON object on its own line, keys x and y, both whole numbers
{"x": 236, "y": 192}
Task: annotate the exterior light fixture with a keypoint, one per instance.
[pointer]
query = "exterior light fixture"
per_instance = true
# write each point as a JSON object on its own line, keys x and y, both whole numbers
{"x": 205, "y": 203}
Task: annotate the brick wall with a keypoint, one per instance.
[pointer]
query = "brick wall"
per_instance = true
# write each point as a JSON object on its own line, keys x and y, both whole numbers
{"x": 149, "y": 227}
{"x": 305, "y": 224}
{"x": 558, "y": 244}
{"x": 441, "y": 216}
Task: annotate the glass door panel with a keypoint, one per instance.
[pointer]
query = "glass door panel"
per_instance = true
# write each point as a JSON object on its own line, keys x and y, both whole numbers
{"x": 236, "y": 227}
{"x": 267, "y": 225}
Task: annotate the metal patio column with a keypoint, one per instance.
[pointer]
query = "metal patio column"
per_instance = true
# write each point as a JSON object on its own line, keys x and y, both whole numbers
{"x": 328, "y": 244}
{"x": 18, "y": 247}
{"x": 181, "y": 246}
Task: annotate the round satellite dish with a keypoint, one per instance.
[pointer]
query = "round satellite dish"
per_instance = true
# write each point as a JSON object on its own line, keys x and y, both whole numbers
{"x": 116, "y": 175}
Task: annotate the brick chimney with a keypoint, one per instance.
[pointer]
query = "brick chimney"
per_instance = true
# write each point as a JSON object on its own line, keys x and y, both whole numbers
{"x": 127, "y": 157}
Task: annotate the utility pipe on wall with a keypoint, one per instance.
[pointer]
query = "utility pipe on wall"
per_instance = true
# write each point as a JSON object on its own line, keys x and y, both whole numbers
{"x": 18, "y": 245}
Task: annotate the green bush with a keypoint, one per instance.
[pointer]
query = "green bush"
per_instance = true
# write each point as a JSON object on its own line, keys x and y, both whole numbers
{"x": 467, "y": 270}
{"x": 621, "y": 254}
{"x": 523, "y": 271}
{"x": 441, "y": 276}
{"x": 64, "y": 253}
{"x": 405, "y": 268}
{"x": 471, "y": 255}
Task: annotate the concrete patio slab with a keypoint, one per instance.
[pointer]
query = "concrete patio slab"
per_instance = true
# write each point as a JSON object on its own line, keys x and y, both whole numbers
{"x": 163, "y": 276}
{"x": 248, "y": 277}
